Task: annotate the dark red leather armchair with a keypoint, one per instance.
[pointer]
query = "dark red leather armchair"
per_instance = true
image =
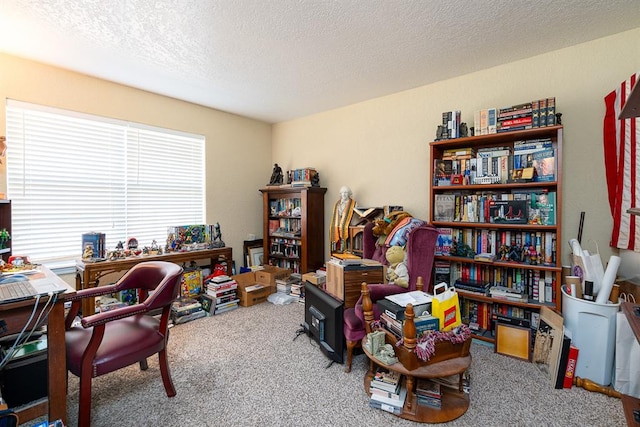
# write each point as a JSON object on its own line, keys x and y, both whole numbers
{"x": 106, "y": 342}
{"x": 421, "y": 246}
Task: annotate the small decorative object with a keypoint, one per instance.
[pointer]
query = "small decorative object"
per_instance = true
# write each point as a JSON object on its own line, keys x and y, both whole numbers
{"x": 375, "y": 341}
{"x": 472, "y": 131}
{"x": 439, "y": 132}
{"x": 132, "y": 243}
{"x": 464, "y": 130}
{"x": 558, "y": 118}
{"x": 276, "y": 175}
{"x": 217, "y": 237}
{"x": 4, "y": 238}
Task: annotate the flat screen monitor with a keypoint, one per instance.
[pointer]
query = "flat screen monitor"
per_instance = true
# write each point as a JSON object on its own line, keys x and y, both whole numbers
{"x": 323, "y": 321}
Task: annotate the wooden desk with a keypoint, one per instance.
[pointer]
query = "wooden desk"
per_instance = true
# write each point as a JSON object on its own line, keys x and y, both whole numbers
{"x": 88, "y": 274}
{"x": 16, "y": 314}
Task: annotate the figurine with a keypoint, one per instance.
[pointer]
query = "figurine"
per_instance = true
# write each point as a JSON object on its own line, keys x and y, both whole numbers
{"x": 276, "y": 176}
{"x": 217, "y": 237}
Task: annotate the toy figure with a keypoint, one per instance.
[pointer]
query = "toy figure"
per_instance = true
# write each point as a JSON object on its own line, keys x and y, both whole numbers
{"x": 397, "y": 273}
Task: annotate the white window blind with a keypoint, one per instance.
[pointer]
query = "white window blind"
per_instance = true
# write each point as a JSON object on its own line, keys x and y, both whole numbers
{"x": 70, "y": 173}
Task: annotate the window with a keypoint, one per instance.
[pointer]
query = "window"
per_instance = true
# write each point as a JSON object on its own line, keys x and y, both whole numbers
{"x": 70, "y": 173}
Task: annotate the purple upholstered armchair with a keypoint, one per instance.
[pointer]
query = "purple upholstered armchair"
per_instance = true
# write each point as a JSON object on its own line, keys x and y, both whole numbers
{"x": 421, "y": 245}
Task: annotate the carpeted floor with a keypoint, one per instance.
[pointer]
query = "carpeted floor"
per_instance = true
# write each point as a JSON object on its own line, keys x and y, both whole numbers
{"x": 244, "y": 368}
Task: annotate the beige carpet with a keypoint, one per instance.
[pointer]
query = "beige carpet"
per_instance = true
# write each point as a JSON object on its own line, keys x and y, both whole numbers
{"x": 243, "y": 368}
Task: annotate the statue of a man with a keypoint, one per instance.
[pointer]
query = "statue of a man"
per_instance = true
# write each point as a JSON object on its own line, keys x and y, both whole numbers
{"x": 341, "y": 219}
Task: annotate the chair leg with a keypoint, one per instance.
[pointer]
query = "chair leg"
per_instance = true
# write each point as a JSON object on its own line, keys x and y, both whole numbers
{"x": 351, "y": 345}
{"x": 144, "y": 365}
{"x": 84, "y": 406}
{"x": 166, "y": 375}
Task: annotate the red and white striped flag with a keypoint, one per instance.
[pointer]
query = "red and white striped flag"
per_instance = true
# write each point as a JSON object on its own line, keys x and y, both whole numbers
{"x": 621, "y": 162}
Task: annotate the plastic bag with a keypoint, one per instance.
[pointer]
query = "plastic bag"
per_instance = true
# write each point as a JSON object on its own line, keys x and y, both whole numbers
{"x": 446, "y": 306}
{"x": 280, "y": 298}
{"x": 627, "y": 372}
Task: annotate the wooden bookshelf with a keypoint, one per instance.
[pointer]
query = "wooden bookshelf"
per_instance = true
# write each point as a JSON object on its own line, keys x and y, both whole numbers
{"x": 294, "y": 227}
{"x": 519, "y": 233}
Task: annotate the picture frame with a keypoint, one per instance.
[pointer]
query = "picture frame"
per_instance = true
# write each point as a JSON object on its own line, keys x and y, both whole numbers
{"x": 513, "y": 341}
{"x": 248, "y": 245}
{"x": 256, "y": 256}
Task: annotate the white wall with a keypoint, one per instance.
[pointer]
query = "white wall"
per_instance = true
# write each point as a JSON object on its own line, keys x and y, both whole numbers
{"x": 380, "y": 148}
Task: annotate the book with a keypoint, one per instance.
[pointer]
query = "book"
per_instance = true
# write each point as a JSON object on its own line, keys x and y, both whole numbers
{"x": 388, "y": 408}
{"x": 444, "y": 207}
{"x": 562, "y": 362}
{"x": 544, "y": 163}
{"x": 386, "y": 379}
{"x": 542, "y": 209}
{"x": 442, "y": 272}
{"x": 444, "y": 241}
{"x": 572, "y": 362}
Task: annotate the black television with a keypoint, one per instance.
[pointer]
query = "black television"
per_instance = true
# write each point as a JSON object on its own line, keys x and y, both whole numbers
{"x": 323, "y": 322}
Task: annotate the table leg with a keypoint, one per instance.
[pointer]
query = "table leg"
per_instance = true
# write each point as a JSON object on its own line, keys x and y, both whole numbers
{"x": 57, "y": 363}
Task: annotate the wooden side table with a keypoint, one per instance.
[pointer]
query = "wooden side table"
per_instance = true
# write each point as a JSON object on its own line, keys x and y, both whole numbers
{"x": 449, "y": 359}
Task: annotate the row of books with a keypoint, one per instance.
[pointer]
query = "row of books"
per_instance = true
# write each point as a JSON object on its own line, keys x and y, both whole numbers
{"x": 527, "y": 115}
{"x": 424, "y": 324}
{"x": 497, "y": 165}
{"x": 303, "y": 177}
{"x": 527, "y": 247}
{"x": 285, "y": 207}
{"x": 532, "y": 207}
{"x": 532, "y": 285}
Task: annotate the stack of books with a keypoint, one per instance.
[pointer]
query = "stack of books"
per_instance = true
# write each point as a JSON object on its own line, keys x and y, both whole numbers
{"x": 224, "y": 290}
{"x": 452, "y": 382}
{"x": 387, "y": 391}
{"x": 186, "y": 309}
{"x": 297, "y": 290}
{"x": 284, "y": 285}
{"x": 429, "y": 393}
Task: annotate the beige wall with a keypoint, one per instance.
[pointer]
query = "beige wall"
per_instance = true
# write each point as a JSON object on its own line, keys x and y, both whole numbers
{"x": 238, "y": 149}
{"x": 380, "y": 148}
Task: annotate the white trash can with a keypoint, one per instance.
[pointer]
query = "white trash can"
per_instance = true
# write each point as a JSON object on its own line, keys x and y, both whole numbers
{"x": 593, "y": 331}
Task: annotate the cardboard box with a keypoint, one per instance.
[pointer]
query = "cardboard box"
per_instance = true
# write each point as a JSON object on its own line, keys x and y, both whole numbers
{"x": 315, "y": 278}
{"x": 255, "y": 287}
{"x": 269, "y": 275}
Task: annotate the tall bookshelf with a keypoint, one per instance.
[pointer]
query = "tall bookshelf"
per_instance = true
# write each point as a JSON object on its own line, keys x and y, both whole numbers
{"x": 294, "y": 227}
{"x": 500, "y": 233}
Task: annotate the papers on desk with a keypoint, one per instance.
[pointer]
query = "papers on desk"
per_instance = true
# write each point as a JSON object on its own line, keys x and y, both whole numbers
{"x": 413, "y": 297}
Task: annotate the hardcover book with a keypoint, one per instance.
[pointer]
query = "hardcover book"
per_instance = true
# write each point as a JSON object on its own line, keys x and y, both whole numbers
{"x": 444, "y": 207}
{"x": 444, "y": 241}
{"x": 544, "y": 162}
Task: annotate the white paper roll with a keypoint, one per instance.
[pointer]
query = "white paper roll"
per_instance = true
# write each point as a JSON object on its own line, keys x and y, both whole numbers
{"x": 608, "y": 279}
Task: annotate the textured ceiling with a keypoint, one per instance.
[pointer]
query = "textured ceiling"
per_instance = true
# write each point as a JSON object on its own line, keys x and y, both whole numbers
{"x": 275, "y": 60}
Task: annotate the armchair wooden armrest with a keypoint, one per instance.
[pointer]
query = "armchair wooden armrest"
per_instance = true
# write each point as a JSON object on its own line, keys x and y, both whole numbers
{"x": 118, "y": 313}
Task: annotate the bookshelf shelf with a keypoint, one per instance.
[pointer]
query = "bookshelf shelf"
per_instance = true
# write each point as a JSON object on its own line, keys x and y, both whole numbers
{"x": 294, "y": 227}
{"x": 473, "y": 220}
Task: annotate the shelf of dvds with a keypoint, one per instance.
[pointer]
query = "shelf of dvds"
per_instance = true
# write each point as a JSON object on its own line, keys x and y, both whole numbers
{"x": 496, "y": 200}
{"x": 294, "y": 227}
